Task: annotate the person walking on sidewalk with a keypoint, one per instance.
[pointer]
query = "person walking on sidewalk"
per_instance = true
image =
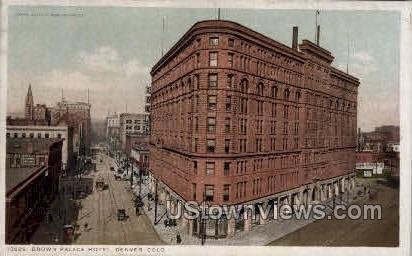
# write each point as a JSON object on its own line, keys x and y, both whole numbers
{"x": 178, "y": 238}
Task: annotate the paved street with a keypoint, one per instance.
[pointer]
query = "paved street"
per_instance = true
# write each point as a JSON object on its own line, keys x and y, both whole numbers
{"x": 348, "y": 232}
{"x": 99, "y": 211}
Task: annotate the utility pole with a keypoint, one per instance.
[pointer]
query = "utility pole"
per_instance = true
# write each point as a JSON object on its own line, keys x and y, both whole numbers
{"x": 155, "y": 209}
{"x": 141, "y": 183}
{"x": 203, "y": 221}
{"x": 131, "y": 176}
{"x": 317, "y": 28}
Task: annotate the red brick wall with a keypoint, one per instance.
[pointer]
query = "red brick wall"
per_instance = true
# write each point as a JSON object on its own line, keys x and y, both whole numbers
{"x": 325, "y": 114}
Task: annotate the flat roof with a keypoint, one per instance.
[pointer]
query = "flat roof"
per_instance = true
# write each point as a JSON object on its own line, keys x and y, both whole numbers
{"x": 29, "y": 145}
{"x": 17, "y": 176}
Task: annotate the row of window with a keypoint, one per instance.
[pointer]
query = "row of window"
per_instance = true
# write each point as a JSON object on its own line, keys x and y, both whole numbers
{"x": 31, "y": 135}
{"x": 285, "y": 162}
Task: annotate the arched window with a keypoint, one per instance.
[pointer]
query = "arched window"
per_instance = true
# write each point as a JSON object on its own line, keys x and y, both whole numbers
{"x": 286, "y": 95}
{"x": 189, "y": 81}
{"x": 274, "y": 92}
{"x": 297, "y": 96}
{"x": 260, "y": 89}
{"x": 244, "y": 84}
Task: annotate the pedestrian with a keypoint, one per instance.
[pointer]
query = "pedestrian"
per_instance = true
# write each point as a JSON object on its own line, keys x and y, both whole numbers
{"x": 178, "y": 238}
{"x": 137, "y": 211}
{"x": 86, "y": 225}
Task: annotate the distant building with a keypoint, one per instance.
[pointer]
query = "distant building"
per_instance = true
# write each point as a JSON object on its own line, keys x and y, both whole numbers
{"x": 77, "y": 116}
{"x": 32, "y": 176}
{"x": 46, "y": 132}
{"x": 29, "y": 105}
{"x": 135, "y": 139}
{"x": 132, "y": 123}
{"x": 113, "y": 132}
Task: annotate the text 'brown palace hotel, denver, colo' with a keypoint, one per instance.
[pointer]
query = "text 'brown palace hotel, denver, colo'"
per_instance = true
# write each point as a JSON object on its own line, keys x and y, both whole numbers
{"x": 239, "y": 118}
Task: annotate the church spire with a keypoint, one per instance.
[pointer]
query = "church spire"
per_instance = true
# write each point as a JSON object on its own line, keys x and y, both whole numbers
{"x": 29, "y": 105}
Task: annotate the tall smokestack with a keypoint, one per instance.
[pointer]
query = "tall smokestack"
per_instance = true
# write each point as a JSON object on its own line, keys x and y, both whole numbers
{"x": 317, "y": 35}
{"x": 295, "y": 38}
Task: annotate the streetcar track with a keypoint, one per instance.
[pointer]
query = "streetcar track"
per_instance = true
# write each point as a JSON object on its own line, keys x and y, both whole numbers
{"x": 113, "y": 200}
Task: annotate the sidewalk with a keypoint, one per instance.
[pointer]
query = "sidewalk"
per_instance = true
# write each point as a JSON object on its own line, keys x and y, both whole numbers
{"x": 259, "y": 235}
{"x": 63, "y": 211}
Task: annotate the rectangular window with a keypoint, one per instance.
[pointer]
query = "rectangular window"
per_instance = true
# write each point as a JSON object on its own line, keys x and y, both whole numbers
{"x": 195, "y": 167}
{"x": 23, "y": 135}
{"x": 210, "y": 168}
{"x": 229, "y": 81}
{"x": 230, "y": 60}
{"x": 226, "y": 191}
{"x": 214, "y": 41}
{"x": 227, "y": 146}
{"x": 196, "y": 145}
{"x": 59, "y": 136}
{"x": 226, "y": 169}
{"x": 8, "y": 135}
{"x": 196, "y": 124}
{"x": 213, "y": 59}
{"x": 46, "y": 135}
{"x": 209, "y": 191}
{"x": 231, "y": 42}
{"x": 211, "y": 102}
{"x": 227, "y": 125}
{"x": 31, "y": 135}
{"x": 228, "y": 103}
{"x": 211, "y": 146}
{"x": 211, "y": 124}
{"x": 197, "y": 60}
{"x": 194, "y": 191}
{"x": 212, "y": 81}
{"x": 39, "y": 135}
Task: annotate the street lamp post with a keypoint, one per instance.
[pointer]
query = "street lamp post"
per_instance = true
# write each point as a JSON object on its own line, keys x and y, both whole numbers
{"x": 131, "y": 175}
{"x": 155, "y": 209}
{"x": 141, "y": 183}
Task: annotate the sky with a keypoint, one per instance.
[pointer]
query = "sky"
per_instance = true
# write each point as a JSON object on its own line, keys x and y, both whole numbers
{"x": 110, "y": 51}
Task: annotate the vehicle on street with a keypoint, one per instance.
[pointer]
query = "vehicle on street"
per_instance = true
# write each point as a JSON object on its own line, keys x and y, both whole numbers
{"x": 121, "y": 214}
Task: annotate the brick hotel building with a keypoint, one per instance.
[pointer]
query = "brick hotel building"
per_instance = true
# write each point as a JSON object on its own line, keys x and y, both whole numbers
{"x": 238, "y": 118}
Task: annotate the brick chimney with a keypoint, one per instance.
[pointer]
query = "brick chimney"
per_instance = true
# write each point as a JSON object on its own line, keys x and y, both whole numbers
{"x": 295, "y": 38}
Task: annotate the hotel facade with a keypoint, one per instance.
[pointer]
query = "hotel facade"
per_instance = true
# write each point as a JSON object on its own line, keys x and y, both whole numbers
{"x": 238, "y": 118}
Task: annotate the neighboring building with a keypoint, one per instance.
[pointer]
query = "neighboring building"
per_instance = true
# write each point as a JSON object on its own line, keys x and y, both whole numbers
{"x": 32, "y": 176}
{"x": 393, "y": 147}
{"x": 369, "y": 164}
{"x": 46, "y": 132}
{"x": 140, "y": 153}
{"x": 147, "y": 105}
{"x": 134, "y": 140}
{"x": 132, "y": 123}
{"x": 148, "y": 99}
{"x": 238, "y": 118}
{"x": 382, "y": 139}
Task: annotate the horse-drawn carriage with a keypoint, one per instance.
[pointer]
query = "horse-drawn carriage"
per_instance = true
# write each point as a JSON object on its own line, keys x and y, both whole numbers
{"x": 100, "y": 185}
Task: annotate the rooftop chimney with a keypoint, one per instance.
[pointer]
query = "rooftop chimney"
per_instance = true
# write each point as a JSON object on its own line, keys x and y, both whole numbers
{"x": 295, "y": 38}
